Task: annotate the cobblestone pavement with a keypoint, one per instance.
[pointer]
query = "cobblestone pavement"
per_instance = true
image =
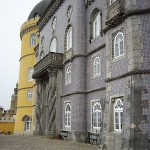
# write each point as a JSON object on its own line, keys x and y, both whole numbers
{"x": 12, "y": 142}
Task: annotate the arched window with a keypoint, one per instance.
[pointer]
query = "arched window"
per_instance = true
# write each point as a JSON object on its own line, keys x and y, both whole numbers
{"x": 69, "y": 38}
{"x": 29, "y": 95}
{"x": 112, "y": 1}
{"x": 41, "y": 55}
{"x": 54, "y": 23}
{"x": 96, "y": 115}
{"x": 53, "y": 45}
{"x": 118, "y": 115}
{"x": 33, "y": 39}
{"x": 30, "y": 73}
{"x": 96, "y": 25}
{"x": 67, "y": 118}
{"x": 119, "y": 45}
{"x": 27, "y": 123}
{"x": 96, "y": 66}
{"x": 68, "y": 74}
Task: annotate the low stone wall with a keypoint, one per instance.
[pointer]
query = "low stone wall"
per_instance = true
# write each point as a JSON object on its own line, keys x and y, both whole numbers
{"x": 7, "y": 127}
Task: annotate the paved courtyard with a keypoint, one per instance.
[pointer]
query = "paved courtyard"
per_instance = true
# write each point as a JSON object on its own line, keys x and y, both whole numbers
{"x": 11, "y": 142}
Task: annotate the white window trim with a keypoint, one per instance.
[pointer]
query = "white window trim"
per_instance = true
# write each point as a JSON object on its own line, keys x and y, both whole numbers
{"x": 92, "y": 60}
{"x": 66, "y": 80}
{"x": 119, "y": 111}
{"x": 53, "y": 45}
{"x": 26, "y": 129}
{"x": 94, "y": 129}
{"x": 65, "y": 104}
{"x": 30, "y": 73}
{"x": 33, "y": 39}
{"x": 97, "y": 19}
{"x": 69, "y": 39}
{"x": 29, "y": 94}
{"x": 118, "y": 46}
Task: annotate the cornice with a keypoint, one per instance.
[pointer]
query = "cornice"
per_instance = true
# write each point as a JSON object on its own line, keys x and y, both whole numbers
{"x": 97, "y": 49}
{"x": 27, "y": 29}
{"x": 119, "y": 18}
{"x": 85, "y": 55}
{"x": 26, "y": 106}
{"x": 25, "y": 56}
{"x": 84, "y": 92}
{"x": 54, "y": 5}
{"x": 134, "y": 72}
{"x": 26, "y": 88}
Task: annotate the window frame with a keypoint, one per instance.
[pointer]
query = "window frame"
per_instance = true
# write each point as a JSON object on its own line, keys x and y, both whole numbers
{"x": 28, "y": 125}
{"x": 98, "y": 124}
{"x": 96, "y": 24}
{"x": 30, "y": 73}
{"x": 69, "y": 38}
{"x": 53, "y": 45}
{"x": 112, "y": 2}
{"x": 95, "y": 65}
{"x": 119, "y": 111}
{"x": 67, "y": 74}
{"x": 29, "y": 95}
{"x": 33, "y": 39}
{"x": 67, "y": 115}
{"x": 117, "y": 42}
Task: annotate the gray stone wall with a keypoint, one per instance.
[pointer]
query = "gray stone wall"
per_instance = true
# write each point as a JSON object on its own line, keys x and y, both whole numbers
{"x": 117, "y": 78}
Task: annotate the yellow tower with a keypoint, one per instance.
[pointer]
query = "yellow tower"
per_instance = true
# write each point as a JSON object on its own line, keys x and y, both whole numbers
{"x": 25, "y": 105}
{"x": 24, "y": 123}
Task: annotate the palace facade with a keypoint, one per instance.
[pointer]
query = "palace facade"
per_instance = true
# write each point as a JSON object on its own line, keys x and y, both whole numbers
{"x": 91, "y": 72}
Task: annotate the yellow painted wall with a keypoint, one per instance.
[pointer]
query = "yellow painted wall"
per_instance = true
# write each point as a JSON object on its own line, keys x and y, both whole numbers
{"x": 7, "y": 126}
{"x": 27, "y": 60}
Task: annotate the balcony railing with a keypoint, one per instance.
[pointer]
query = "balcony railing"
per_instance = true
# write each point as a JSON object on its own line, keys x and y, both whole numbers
{"x": 52, "y": 59}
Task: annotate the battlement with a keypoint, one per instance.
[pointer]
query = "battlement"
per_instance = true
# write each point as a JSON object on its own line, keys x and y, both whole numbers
{"x": 28, "y": 26}
{"x": 30, "y": 22}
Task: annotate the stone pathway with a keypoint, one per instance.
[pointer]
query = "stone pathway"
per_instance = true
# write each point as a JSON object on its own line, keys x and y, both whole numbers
{"x": 12, "y": 142}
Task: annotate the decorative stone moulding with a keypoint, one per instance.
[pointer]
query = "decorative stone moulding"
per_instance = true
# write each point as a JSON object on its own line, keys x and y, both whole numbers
{"x": 88, "y": 2}
{"x": 52, "y": 9}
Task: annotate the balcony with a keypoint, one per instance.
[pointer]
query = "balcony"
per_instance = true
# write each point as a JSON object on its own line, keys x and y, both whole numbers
{"x": 51, "y": 60}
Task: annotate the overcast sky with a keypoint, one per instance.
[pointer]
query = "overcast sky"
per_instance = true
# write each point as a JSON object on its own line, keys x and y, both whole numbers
{"x": 13, "y": 13}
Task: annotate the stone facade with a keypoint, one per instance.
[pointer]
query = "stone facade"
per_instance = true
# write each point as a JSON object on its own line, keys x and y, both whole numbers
{"x": 125, "y": 77}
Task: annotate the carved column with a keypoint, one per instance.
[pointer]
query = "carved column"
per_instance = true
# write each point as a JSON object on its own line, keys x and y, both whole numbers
{"x": 38, "y": 107}
{"x": 51, "y": 101}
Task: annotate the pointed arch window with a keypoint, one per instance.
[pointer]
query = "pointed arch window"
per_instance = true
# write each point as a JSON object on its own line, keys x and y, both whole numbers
{"x": 69, "y": 38}
{"x": 96, "y": 115}
{"x": 119, "y": 45}
{"x": 33, "y": 39}
{"x": 118, "y": 114}
{"x": 41, "y": 55}
{"x": 53, "y": 45}
{"x": 67, "y": 117}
